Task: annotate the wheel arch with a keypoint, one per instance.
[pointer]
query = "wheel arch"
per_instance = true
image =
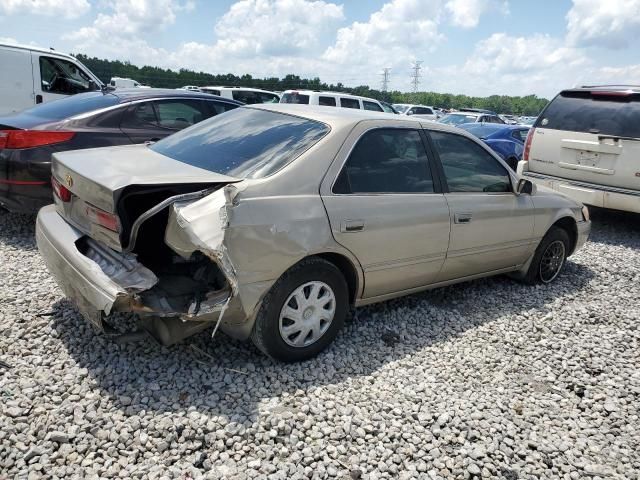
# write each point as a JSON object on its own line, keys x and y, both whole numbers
{"x": 569, "y": 225}
{"x": 348, "y": 270}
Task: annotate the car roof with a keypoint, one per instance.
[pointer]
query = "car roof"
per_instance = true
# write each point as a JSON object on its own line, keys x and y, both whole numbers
{"x": 612, "y": 88}
{"x": 131, "y": 94}
{"x": 328, "y": 92}
{"x": 341, "y": 117}
{"x": 250, "y": 89}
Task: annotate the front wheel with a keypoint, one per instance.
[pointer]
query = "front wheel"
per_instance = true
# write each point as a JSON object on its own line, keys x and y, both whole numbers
{"x": 303, "y": 312}
{"x": 549, "y": 258}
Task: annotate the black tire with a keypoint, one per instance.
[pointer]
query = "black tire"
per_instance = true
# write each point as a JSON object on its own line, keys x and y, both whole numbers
{"x": 266, "y": 329}
{"x": 536, "y": 272}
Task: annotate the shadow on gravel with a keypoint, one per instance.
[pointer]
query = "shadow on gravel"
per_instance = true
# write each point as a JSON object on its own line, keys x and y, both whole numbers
{"x": 17, "y": 230}
{"x": 230, "y": 378}
{"x": 613, "y": 227}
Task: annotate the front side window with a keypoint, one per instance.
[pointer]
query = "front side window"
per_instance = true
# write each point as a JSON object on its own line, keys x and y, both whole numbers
{"x": 467, "y": 166}
{"x": 243, "y": 143}
{"x": 386, "y": 161}
{"x": 246, "y": 96}
{"x": 349, "y": 103}
{"x": 179, "y": 114}
{"x": 63, "y": 77}
{"x": 374, "y": 107}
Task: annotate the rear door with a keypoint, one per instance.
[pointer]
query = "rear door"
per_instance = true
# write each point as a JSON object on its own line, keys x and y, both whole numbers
{"x": 16, "y": 80}
{"x": 491, "y": 226}
{"x": 591, "y": 137}
{"x": 385, "y": 206}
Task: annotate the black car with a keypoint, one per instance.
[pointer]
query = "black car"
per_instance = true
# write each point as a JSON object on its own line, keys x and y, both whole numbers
{"x": 89, "y": 120}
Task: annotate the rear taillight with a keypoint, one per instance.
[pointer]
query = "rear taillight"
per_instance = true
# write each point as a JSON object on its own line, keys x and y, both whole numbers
{"x": 62, "y": 192}
{"x": 527, "y": 145}
{"x": 15, "y": 139}
{"x": 102, "y": 218}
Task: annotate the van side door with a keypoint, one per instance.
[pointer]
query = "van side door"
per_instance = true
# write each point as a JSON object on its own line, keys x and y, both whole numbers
{"x": 16, "y": 80}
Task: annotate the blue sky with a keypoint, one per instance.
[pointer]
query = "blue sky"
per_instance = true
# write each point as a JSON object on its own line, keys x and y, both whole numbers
{"x": 476, "y": 47}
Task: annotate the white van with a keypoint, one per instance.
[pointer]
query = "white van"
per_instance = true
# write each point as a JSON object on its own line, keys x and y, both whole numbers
{"x": 331, "y": 99}
{"x": 586, "y": 144}
{"x": 119, "y": 82}
{"x": 30, "y": 75}
{"x": 243, "y": 94}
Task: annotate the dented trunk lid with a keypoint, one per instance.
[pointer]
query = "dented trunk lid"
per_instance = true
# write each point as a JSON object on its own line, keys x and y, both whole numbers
{"x": 97, "y": 178}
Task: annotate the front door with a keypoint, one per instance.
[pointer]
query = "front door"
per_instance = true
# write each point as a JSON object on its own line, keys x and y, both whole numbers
{"x": 57, "y": 78}
{"x": 491, "y": 226}
{"x": 386, "y": 208}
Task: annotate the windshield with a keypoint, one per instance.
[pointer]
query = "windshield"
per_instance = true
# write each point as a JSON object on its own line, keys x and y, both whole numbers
{"x": 72, "y": 105}
{"x": 243, "y": 143}
{"x": 401, "y": 108}
{"x": 457, "y": 119}
{"x": 295, "y": 98}
{"x": 590, "y": 113}
{"x": 481, "y": 130}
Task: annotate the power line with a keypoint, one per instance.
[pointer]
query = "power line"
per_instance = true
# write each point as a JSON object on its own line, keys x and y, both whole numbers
{"x": 385, "y": 78}
{"x": 415, "y": 76}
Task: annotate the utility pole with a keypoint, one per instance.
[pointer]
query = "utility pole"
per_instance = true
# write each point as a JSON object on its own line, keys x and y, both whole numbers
{"x": 385, "y": 79}
{"x": 415, "y": 76}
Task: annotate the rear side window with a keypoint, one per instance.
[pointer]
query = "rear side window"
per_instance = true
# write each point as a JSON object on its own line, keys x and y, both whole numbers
{"x": 520, "y": 134}
{"x": 140, "y": 115}
{"x": 386, "y": 161}
{"x": 423, "y": 111}
{"x": 327, "y": 101}
{"x": 601, "y": 114}
{"x": 250, "y": 97}
{"x": 211, "y": 91}
{"x": 295, "y": 98}
{"x": 243, "y": 143}
{"x": 216, "y": 108}
{"x": 467, "y": 166}
{"x": 349, "y": 103}
{"x": 371, "y": 106}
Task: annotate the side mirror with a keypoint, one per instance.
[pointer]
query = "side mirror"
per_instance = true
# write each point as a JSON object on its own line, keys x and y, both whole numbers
{"x": 525, "y": 186}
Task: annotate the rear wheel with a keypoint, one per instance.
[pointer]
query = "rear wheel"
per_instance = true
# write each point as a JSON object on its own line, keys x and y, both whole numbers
{"x": 303, "y": 312}
{"x": 549, "y": 258}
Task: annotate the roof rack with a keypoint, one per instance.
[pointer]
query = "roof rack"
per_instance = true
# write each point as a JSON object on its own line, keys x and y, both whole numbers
{"x": 610, "y": 86}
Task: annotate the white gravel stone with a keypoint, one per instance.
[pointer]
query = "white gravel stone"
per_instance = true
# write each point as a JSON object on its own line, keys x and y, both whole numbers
{"x": 491, "y": 379}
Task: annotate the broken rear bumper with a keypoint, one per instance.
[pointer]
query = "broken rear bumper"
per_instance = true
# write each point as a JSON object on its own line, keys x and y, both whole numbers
{"x": 80, "y": 278}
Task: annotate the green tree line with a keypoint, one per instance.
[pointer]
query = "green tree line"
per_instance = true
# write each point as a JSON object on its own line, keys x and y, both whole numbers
{"x": 166, "y": 78}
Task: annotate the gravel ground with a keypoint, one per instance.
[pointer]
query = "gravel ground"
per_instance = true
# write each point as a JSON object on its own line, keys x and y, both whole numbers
{"x": 489, "y": 379}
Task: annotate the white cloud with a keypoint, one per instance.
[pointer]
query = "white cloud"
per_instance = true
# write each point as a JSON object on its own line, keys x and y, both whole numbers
{"x": 130, "y": 18}
{"x": 64, "y": 8}
{"x": 466, "y": 13}
{"x": 276, "y": 27}
{"x": 611, "y": 24}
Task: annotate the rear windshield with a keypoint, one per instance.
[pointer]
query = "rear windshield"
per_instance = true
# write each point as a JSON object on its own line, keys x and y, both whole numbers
{"x": 582, "y": 112}
{"x": 243, "y": 143}
{"x": 295, "y": 98}
{"x": 73, "y": 105}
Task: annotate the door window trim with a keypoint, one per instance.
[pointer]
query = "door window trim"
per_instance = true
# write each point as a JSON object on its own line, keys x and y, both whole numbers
{"x": 435, "y": 176}
{"x": 440, "y": 167}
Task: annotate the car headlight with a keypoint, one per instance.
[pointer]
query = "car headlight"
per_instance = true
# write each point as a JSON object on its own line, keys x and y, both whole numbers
{"x": 585, "y": 213}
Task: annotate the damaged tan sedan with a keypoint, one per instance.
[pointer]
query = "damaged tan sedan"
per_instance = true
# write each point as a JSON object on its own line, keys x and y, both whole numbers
{"x": 269, "y": 222}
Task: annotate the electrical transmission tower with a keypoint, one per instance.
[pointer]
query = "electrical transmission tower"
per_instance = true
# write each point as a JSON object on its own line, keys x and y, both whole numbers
{"x": 415, "y": 76}
{"x": 385, "y": 79}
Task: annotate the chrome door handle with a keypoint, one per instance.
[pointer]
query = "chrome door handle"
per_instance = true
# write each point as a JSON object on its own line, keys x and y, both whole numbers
{"x": 349, "y": 226}
{"x": 462, "y": 218}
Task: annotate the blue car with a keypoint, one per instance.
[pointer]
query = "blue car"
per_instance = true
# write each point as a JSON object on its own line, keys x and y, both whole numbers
{"x": 506, "y": 140}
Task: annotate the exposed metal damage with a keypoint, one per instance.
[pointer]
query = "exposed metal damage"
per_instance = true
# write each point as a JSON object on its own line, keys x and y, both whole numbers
{"x": 195, "y": 287}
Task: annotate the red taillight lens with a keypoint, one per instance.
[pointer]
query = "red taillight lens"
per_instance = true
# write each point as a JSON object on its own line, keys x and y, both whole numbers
{"x": 527, "y": 145}
{"x": 62, "y": 192}
{"x": 15, "y": 139}
{"x": 100, "y": 217}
